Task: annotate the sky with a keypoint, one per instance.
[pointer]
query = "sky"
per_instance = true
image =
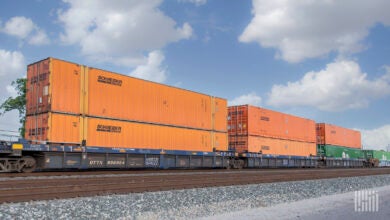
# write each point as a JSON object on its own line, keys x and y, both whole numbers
{"x": 326, "y": 60}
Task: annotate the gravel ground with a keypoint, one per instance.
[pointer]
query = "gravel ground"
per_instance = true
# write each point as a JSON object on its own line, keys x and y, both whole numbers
{"x": 185, "y": 204}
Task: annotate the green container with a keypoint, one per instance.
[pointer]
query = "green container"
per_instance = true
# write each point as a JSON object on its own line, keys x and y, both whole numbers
{"x": 339, "y": 152}
{"x": 378, "y": 154}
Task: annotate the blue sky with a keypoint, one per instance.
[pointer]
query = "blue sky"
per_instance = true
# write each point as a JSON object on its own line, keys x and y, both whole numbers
{"x": 325, "y": 60}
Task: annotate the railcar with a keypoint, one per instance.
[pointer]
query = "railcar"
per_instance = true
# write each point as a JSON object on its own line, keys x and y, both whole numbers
{"x": 22, "y": 156}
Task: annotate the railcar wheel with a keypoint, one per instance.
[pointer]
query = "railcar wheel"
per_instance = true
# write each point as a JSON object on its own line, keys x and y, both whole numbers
{"x": 28, "y": 164}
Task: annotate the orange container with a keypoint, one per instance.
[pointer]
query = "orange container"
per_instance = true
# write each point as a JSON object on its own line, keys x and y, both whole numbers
{"x": 272, "y": 146}
{"x": 53, "y": 85}
{"x": 61, "y": 128}
{"x": 111, "y": 95}
{"x": 251, "y": 120}
{"x": 336, "y": 135}
{"x": 219, "y": 114}
{"x": 54, "y": 128}
{"x": 63, "y": 87}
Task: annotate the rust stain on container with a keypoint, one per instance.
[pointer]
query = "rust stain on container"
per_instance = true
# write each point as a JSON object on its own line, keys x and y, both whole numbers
{"x": 53, "y": 85}
{"x": 328, "y": 134}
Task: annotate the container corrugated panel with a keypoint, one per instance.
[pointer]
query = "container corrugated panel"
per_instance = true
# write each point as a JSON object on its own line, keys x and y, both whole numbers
{"x": 220, "y": 114}
{"x": 54, "y": 128}
{"x": 220, "y": 141}
{"x": 266, "y": 145}
{"x": 53, "y": 85}
{"x": 342, "y": 152}
{"x": 104, "y": 132}
{"x": 328, "y": 134}
{"x": 251, "y": 120}
{"x": 59, "y": 86}
{"x": 112, "y": 95}
{"x": 63, "y": 128}
{"x": 381, "y": 155}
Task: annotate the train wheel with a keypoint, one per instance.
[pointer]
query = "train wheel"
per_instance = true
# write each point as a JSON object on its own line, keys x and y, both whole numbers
{"x": 28, "y": 164}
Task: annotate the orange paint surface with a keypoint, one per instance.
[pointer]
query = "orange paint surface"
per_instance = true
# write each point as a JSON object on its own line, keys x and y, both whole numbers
{"x": 251, "y": 120}
{"x": 266, "y": 145}
{"x": 62, "y": 128}
{"x": 54, "y": 128}
{"x": 117, "y": 96}
{"x": 53, "y": 85}
{"x": 63, "y": 87}
{"x": 336, "y": 135}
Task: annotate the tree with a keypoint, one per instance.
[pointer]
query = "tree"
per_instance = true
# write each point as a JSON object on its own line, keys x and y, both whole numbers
{"x": 17, "y": 103}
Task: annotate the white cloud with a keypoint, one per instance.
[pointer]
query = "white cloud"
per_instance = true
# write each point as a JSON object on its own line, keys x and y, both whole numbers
{"x": 378, "y": 138}
{"x": 24, "y": 28}
{"x": 12, "y": 67}
{"x": 152, "y": 70}
{"x": 20, "y": 27}
{"x": 304, "y": 29}
{"x": 196, "y": 2}
{"x": 251, "y": 99}
{"x": 119, "y": 31}
{"x": 39, "y": 38}
{"x": 12, "y": 63}
{"x": 340, "y": 86}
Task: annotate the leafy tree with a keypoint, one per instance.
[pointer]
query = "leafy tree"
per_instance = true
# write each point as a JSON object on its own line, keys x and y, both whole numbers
{"x": 17, "y": 103}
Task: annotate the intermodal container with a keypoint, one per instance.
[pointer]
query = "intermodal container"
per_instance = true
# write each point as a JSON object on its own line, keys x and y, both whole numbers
{"x": 328, "y": 134}
{"x": 54, "y": 128}
{"x": 53, "y": 85}
{"x": 63, "y": 87}
{"x": 100, "y": 132}
{"x": 339, "y": 152}
{"x": 272, "y": 146}
{"x": 112, "y": 95}
{"x": 251, "y": 120}
{"x": 378, "y": 154}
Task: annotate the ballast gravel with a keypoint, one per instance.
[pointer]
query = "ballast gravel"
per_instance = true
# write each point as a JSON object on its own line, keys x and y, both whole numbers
{"x": 187, "y": 204}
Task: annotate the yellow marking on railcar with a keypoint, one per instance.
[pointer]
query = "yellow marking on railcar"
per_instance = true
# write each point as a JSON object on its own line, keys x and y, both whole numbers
{"x": 17, "y": 146}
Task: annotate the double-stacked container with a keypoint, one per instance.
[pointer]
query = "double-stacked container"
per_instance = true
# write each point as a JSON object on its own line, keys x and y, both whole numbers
{"x": 339, "y": 142}
{"x": 75, "y": 104}
{"x": 328, "y": 134}
{"x": 254, "y": 129}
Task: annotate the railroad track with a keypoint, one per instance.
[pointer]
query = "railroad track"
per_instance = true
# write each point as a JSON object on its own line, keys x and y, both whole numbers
{"x": 50, "y": 187}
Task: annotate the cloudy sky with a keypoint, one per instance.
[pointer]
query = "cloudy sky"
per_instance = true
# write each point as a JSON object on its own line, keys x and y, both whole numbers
{"x": 327, "y": 60}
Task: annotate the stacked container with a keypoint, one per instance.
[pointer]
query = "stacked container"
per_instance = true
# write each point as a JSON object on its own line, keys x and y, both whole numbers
{"x": 71, "y": 103}
{"x": 328, "y": 134}
{"x": 254, "y": 129}
{"x": 338, "y": 142}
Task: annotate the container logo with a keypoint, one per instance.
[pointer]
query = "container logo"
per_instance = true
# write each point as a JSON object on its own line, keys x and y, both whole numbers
{"x": 109, "y": 80}
{"x": 264, "y": 118}
{"x": 109, "y": 128}
{"x": 366, "y": 201}
{"x": 236, "y": 113}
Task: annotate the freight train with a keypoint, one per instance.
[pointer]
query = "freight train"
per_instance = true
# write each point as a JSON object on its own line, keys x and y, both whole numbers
{"x": 79, "y": 117}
